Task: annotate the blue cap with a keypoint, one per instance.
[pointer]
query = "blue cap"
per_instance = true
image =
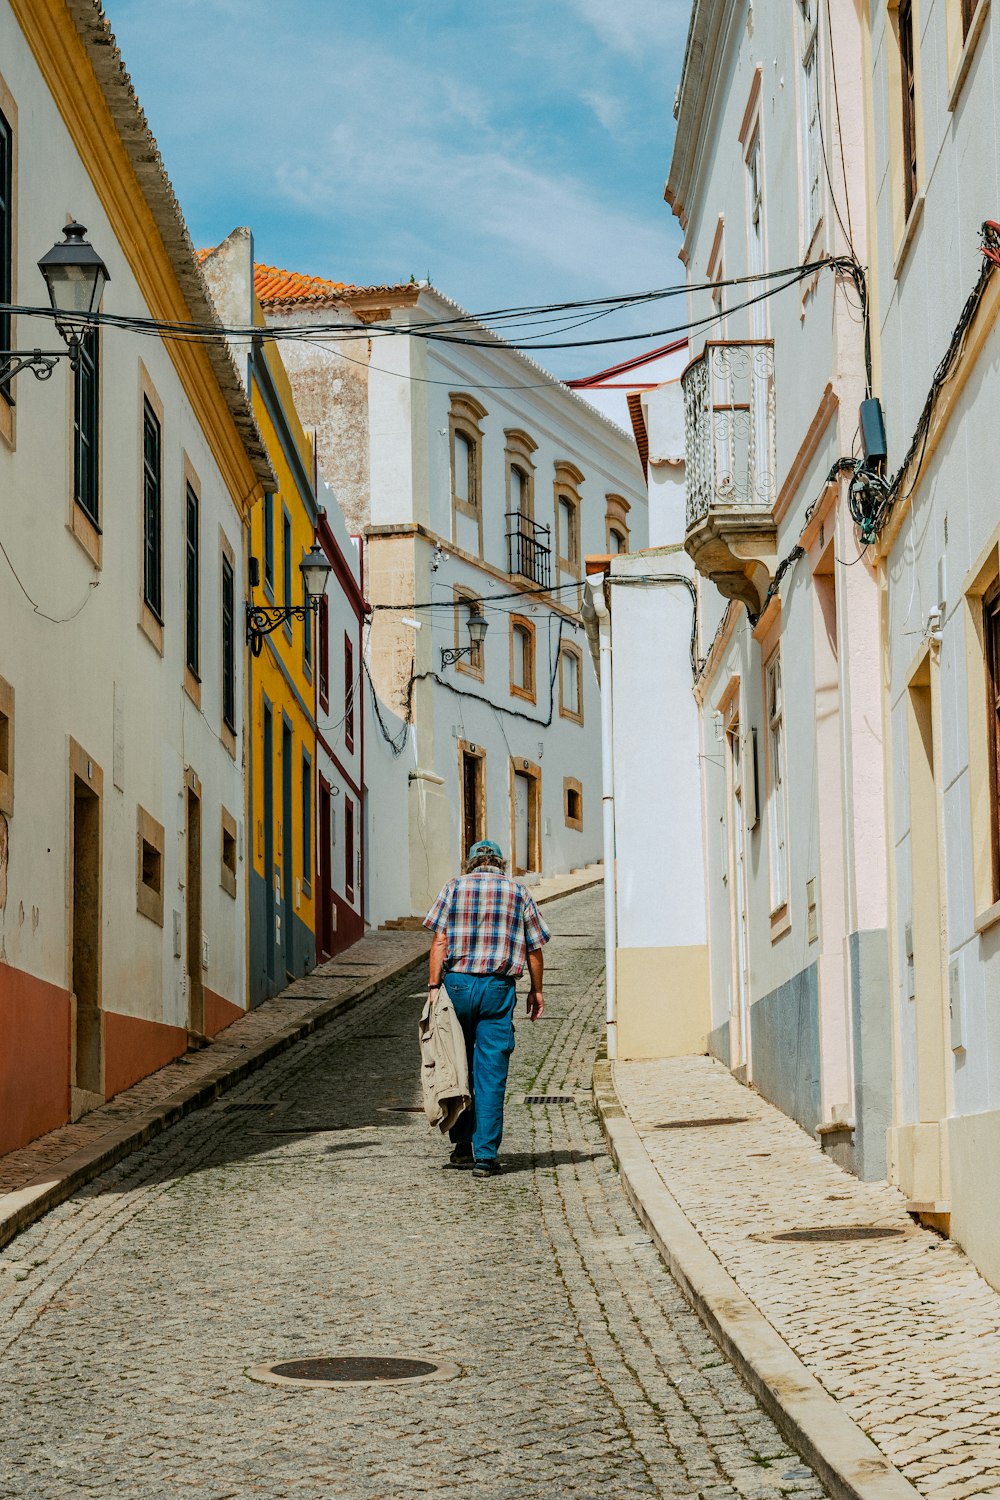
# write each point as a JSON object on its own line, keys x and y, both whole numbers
{"x": 486, "y": 846}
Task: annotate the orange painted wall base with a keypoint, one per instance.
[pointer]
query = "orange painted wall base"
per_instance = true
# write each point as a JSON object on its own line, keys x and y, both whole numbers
{"x": 134, "y": 1048}
{"x": 219, "y": 1013}
{"x": 34, "y": 1057}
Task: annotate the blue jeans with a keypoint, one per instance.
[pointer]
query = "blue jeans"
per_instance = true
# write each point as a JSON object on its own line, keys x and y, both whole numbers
{"x": 484, "y": 1004}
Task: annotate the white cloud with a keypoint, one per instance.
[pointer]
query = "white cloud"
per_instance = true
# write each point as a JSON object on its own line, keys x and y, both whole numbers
{"x": 639, "y": 29}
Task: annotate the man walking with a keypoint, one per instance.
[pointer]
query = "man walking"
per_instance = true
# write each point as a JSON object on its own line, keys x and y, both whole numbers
{"x": 485, "y": 927}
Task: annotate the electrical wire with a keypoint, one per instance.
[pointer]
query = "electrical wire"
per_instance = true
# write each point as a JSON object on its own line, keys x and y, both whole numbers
{"x": 37, "y": 608}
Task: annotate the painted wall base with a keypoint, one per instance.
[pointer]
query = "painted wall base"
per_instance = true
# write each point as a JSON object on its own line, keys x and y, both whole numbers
{"x": 663, "y": 1004}
{"x": 868, "y": 957}
{"x": 134, "y": 1048}
{"x": 785, "y": 1050}
{"x": 34, "y": 1057}
{"x": 918, "y": 1161}
{"x": 974, "y": 1159}
{"x": 718, "y": 1043}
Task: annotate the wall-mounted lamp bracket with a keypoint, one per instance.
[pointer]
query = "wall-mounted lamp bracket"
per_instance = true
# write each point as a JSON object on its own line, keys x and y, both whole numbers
{"x": 263, "y": 619}
{"x": 41, "y": 362}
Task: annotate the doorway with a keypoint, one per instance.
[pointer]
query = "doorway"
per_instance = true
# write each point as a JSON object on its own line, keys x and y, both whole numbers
{"x": 267, "y": 781}
{"x": 525, "y": 842}
{"x": 193, "y": 961}
{"x": 472, "y": 772}
{"x": 287, "y": 846}
{"x": 324, "y": 926}
{"x": 85, "y": 931}
{"x": 924, "y": 934}
{"x": 738, "y": 911}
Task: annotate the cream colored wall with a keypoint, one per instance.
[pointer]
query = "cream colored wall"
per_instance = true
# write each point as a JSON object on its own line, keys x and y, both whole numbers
{"x": 95, "y": 676}
{"x": 662, "y": 999}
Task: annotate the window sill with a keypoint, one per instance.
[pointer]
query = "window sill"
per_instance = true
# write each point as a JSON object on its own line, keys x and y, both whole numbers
{"x": 519, "y": 692}
{"x": 151, "y": 627}
{"x": 565, "y": 713}
{"x": 988, "y": 918}
{"x": 86, "y": 533}
{"x": 909, "y": 234}
{"x": 781, "y": 922}
{"x": 575, "y": 823}
{"x": 227, "y": 881}
{"x": 7, "y": 423}
{"x": 228, "y": 738}
{"x": 969, "y": 47}
{"x": 192, "y": 687}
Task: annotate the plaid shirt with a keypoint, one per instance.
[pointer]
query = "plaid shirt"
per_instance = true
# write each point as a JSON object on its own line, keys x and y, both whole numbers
{"x": 491, "y": 923}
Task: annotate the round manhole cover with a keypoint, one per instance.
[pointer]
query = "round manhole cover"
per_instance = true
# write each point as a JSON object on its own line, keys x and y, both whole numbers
{"x": 836, "y": 1233}
{"x": 354, "y": 1369}
{"x": 713, "y": 1120}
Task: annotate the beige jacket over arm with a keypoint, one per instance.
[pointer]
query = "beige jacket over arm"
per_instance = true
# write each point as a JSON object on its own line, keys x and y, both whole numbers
{"x": 444, "y": 1065}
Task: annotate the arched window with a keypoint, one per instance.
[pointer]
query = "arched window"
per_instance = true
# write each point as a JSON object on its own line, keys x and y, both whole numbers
{"x": 466, "y": 472}
{"x": 616, "y": 524}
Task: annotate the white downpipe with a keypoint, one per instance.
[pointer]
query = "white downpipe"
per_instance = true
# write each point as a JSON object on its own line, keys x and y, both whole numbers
{"x": 607, "y": 810}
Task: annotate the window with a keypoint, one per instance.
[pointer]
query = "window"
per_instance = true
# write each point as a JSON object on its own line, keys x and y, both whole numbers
{"x": 755, "y": 230}
{"x": 152, "y": 512}
{"x": 307, "y": 824}
{"x": 149, "y": 867}
{"x": 466, "y": 471}
{"x": 228, "y": 645}
{"x": 6, "y": 233}
{"x": 286, "y": 565}
{"x": 573, "y": 803}
{"x": 776, "y": 803}
{"x": 616, "y": 523}
{"x": 520, "y": 495}
{"x": 466, "y": 605}
{"x": 6, "y": 748}
{"x": 569, "y": 540}
{"x": 522, "y": 658}
{"x": 86, "y": 426}
{"x": 904, "y": 24}
{"x": 192, "y": 581}
{"x": 308, "y": 625}
{"x": 324, "y": 652}
{"x": 991, "y": 644}
{"x": 810, "y": 121}
{"x": 227, "y": 869}
{"x": 571, "y": 682}
{"x": 969, "y": 8}
{"x": 349, "y": 687}
{"x": 349, "y": 848}
{"x": 268, "y": 522}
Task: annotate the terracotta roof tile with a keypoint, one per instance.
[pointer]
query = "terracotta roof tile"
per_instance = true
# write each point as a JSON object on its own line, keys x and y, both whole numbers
{"x": 274, "y": 285}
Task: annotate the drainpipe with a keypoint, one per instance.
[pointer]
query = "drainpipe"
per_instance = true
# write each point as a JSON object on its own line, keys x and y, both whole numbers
{"x": 596, "y": 611}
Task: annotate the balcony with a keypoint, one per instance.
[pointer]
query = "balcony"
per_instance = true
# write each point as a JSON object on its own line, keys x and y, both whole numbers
{"x": 730, "y": 468}
{"x": 529, "y": 549}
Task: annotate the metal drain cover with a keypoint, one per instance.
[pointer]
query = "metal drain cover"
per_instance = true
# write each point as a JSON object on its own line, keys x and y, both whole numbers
{"x": 354, "y": 1369}
{"x": 834, "y": 1234}
{"x": 550, "y": 1099}
{"x": 714, "y": 1120}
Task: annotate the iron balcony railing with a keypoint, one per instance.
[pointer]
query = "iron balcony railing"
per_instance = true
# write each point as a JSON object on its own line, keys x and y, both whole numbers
{"x": 529, "y": 549}
{"x": 729, "y": 428}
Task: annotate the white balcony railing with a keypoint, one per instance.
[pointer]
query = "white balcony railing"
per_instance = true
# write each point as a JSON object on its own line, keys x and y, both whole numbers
{"x": 729, "y": 428}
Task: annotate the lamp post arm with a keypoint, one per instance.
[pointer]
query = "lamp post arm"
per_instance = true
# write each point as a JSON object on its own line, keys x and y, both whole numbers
{"x": 41, "y": 363}
{"x": 262, "y": 619}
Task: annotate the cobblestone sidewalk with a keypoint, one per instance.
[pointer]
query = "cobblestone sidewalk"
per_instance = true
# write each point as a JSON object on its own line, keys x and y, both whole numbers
{"x": 306, "y": 1212}
{"x": 901, "y": 1330}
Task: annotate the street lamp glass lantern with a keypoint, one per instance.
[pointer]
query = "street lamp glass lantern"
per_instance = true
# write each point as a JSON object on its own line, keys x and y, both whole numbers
{"x": 315, "y": 569}
{"x": 76, "y": 277}
{"x": 478, "y": 626}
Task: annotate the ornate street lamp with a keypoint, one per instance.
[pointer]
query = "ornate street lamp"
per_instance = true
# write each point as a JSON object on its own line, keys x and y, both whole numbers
{"x": 262, "y": 619}
{"x": 477, "y": 626}
{"x": 75, "y": 276}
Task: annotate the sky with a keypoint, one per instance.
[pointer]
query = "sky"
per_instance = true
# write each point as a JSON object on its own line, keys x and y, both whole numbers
{"x": 513, "y": 150}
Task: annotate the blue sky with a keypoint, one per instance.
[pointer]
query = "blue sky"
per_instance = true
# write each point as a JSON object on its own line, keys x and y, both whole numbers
{"x": 514, "y": 149}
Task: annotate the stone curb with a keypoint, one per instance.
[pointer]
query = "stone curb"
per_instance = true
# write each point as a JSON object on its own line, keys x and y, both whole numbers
{"x": 26, "y": 1205}
{"x": 846, "y": 1461}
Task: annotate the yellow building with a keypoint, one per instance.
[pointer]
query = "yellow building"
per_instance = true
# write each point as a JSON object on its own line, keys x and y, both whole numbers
{"x": 281, "y": 692}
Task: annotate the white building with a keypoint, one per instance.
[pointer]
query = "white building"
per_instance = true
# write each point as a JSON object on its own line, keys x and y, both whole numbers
{"x": 480, "y": 484}
{"x": 125, "y": 489}
{"x": 761, "y": 178}
{"x": 934, "y": 165}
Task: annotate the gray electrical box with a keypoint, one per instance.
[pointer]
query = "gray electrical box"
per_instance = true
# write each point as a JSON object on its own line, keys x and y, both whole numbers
{"x": 873, "y": 443}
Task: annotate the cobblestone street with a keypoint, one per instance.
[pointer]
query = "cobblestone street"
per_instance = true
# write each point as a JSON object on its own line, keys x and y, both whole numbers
{"x": 307, "y": 1213}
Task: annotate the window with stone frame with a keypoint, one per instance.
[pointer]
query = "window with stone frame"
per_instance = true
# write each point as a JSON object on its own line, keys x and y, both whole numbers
{"x": 522, "y": 657}
{"x": 466, "y": 442}
{"x": 571, "y": 682}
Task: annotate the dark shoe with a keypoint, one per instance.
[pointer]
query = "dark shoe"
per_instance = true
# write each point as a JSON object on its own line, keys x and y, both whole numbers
{"x": 486, "y": 1168}
{"x": 461, "y": 1159}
